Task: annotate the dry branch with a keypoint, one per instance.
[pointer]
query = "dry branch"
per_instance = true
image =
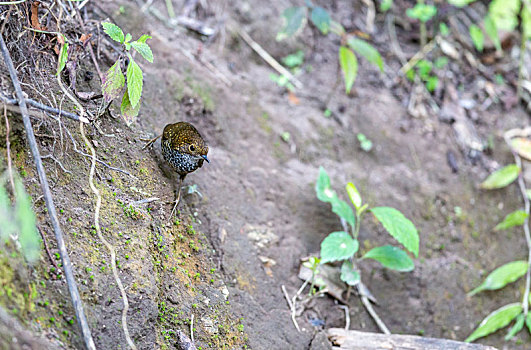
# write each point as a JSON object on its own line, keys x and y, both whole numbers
{"x": 356, "y": 340}
{"x": 67, "y": 265}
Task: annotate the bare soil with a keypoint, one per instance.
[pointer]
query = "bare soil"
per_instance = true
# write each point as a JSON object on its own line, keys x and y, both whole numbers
{"x": 257, "y": 199}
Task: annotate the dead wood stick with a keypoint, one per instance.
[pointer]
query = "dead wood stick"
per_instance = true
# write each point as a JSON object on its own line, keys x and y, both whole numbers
{"x": 67, "y": 265}
{"x": 33, "y": 103}
{"x": 269, "y": 59}
{"x": 356, "y": 340}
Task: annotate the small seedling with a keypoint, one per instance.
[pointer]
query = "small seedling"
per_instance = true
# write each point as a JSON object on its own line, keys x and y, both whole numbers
{"x": 114, "y": 80}
{"x": 365, "y": 143}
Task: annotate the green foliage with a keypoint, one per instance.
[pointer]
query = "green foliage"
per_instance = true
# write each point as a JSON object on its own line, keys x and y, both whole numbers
{"x": 496, "y": 320}
{"x": 114, "y": 81}
{"x": 63, "y": 56}
{"x": 343, "y": 246}
{"x": 385, "y": 5}
{"x": 18, "y": 222}
{"x": 517, "y": 327}
{"x": 399, "y": 227}
{"x": 516, "y": 218}
{"x": 501, "y": 177}
{"x": 282, "y": 81}
{"x": 422, "y": 12}
{"x": 365, "y": 143}
{"x": 349, "y": 67}
{"x": 391, "y": 257}
{"x": 424, "y": 70}
{"x": 477, "y": 37}
{"x": 460, "y": 3}
{"x": 502, "y": 276}
{"x": 294, "y": 60}
{"x": 295, "y": 18}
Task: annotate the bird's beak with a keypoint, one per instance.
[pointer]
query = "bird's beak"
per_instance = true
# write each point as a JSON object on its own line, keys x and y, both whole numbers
{"x": 205, "y": 158}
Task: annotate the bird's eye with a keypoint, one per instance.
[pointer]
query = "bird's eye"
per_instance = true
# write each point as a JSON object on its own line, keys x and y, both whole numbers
{"x": 191, "y": 148}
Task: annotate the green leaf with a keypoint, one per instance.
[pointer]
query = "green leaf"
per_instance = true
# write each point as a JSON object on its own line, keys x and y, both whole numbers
{"x": 385, "y": 5}
{"x": 343, "y": 210}
{"x": 501, "y": 177}
{"x": 516, "y": 218}
{"x": 134, "y": 82}
{"x": 128, "y": 38}
{"x": 366, "y": 50}
{"x": 431, "y": 83}
{"x": 354, "y": 195}
{"x": 504, "y": 13}
{"x": 143, "y": 38}
{"x": 143, "y": 49}
{"x": 338, "y": 246}
{"x": 443, "y": 29}
{"x": 496, "y": 320}
{"x": 7, "y": 224}
{"x": 294, "y": 60}
{"x": 349, "y": 274}
{"x": 526, "y": 21}
{"x": 517, "y": 327}
{"x": 113, "y": 31}
{"x": 460, "y": 3}
{"x": 294, "y": 20}
{"x": 424, "y": 68}
{"x": 349, "y": 66}
{"x": 399, "y": 227}
{"x": 322, "y": 188}
{"x": 113, "y": 82}
{"x": 29, "y": 238}
{"x": 129, "y": 113}
{"x": 492, "y": 32}
{"x": 477, "y": 37}
{"x": 502, "y": 276}
{"x": 391, "y": 257}
{"x": 528, "y": 321}
{"x": 422, "y": 12}
{"x": 63, "y": 57}
{"x": 321, "y": 19}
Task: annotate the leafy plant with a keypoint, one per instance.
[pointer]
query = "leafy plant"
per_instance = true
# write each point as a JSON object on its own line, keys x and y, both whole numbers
{"x": 17, "y": 222}
{"x": 424, "y": 69}
{"x": 344, "y": 245}
{"x": 295, "y": 18}
{"x": 507, "y": 273}
{"x": 423, "y": 13}
{"x": 365, "y": 143}
{"x": 114, "y": 80}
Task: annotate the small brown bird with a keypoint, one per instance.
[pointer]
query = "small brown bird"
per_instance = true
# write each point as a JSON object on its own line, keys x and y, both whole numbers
{"x": 184, "y": 149}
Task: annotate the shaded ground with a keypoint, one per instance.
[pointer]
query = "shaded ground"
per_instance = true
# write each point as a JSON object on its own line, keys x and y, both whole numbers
{"x": 257, "y": 184}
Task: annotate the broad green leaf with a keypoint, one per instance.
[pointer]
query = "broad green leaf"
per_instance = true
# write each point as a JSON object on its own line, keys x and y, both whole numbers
{"x": 321, "y": 19}
{"x": 354, "y": 195}
{"x": 143, "y": 49}
{"x": 7, "y": 224}
{"x": 113, "y": 31}
{"x": 528, "y": 322}
{"x": 366, "y": 50}
{"x": 422, "y": 12}
{"x": 424, "y": 68}
{"x": 443, "y": 29}
{"x": 128, "y": 38}
{"x": 516, "y": 218}
{"x": 129, "y": 113}
{"x": 134, "y": 82}
{"x": 294, "y": 60}
{"x": 460, "y": 3}
{"x": 29, "y": 238}
{"x": 294, "y": 20}
{"x": 349, "y": 274}
{"x": 391, "y": 257}
{"x": 398, "y": 226}
{"x": 504, "y": 13}
{"x": 349, "y": 66}
{"x": 322, "y": 188}
{"x": 337, "y": 28}
{"x": 517, "y": 327}
{"x": 492, "y": 32}
{"x": 343, "y": 210}
{"x": 63, "y": 57}
{"x": 502, "y": 276}
{"x": 431, "y": 83}
{"x": 143, "y": 38}
{"x": 113, "y": 82}
{"x": 477, "y": 37}
{"x": 496, "y": 320}
{"x": 501, "y": 177}
{"x": 526, "y": 21}
{"x": 385, "y": 5}
{"x": 338, "y": 246}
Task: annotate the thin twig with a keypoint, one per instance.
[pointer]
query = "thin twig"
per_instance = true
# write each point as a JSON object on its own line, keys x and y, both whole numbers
{"x": 291, "y": 307}
{"x": 347, "y": 316}
{"x": 269, "y": 59}
{"x": 418, "y": 56}
{"x": 192, "y": 328}
{"x": 48, "y": 250}
{"x": 521, "y": 183}
{"x": 57, "y": 161}
{"x": 374, "y": 315}
{"x": 45, "y": 108}
{"x": 67, "y": 265}
{"x": 8, "y": 149}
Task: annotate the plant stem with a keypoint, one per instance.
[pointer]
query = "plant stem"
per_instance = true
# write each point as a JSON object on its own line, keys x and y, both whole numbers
{"x": 523, "y": 47}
